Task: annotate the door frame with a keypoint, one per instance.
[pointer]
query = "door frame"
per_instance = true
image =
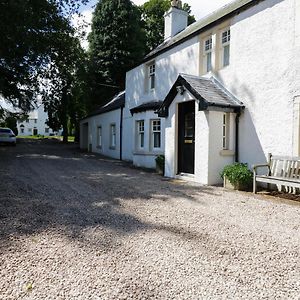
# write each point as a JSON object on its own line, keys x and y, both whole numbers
{"x": 176, "y": 156}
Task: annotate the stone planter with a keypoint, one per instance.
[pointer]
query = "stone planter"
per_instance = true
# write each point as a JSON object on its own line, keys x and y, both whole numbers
{"x": 238, "y": 186}
{"x": 159, "y": 169}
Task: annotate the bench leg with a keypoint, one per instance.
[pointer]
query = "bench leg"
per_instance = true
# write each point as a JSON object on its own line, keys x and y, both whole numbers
{"x": 254, "y": 185}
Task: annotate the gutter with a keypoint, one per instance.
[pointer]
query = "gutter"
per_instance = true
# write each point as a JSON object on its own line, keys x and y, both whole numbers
{"x": 121, "y": 134}
{"x": 237, "y": 122}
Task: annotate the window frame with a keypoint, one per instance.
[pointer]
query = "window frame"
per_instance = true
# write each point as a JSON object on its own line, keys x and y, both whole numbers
{"x": 225, "y": 43}
{"x": 225, "y": 131}
{"x": 99, "y": 136}
{"x": 207, "y": 53}
{"x": 113, "y": 136}
{"x": 140, "y": 134}
{"x": 151, "y": 76}
{"x": 155, "y": 131}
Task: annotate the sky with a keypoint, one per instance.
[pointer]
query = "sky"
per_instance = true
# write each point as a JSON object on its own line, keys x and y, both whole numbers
{"x": 200, "y": 8}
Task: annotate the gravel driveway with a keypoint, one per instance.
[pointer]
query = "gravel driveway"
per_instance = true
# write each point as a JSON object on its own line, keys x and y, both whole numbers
{"x": 78, "y": 226}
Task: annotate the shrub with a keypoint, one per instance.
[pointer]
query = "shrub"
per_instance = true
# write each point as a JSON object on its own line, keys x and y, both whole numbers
{"x": 160, "y": 161}
{"x": 238, "y": 174}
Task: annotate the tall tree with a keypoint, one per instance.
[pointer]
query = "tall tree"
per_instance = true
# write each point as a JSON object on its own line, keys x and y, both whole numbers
{"x": 30, "y": 33}
{"x": 116, "y": 43}
{"x": 153, "y": 20}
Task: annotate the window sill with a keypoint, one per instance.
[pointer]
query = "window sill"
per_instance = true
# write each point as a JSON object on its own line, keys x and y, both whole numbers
{"x": 148, "y": 153}
{"x": 227, "y": 153}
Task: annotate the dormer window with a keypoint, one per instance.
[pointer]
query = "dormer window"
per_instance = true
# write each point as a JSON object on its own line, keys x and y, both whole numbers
{"x": 208, "y": 54}
{"x": 151, "y": 70}
{"x": 225, "y": 41}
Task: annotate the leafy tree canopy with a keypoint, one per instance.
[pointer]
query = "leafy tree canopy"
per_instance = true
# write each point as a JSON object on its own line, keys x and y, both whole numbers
{"x": 116, "y": 43}
{"x": 153, "y": 20}
{"x": 32, "y": 34}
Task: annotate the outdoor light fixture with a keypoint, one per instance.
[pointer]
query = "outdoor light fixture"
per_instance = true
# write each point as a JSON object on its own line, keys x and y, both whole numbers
{"x": 180, "y": 89}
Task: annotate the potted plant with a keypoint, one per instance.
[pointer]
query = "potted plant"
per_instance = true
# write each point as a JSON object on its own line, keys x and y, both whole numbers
{"x": 160, "y": 164}
{"x": 237, "y": 176}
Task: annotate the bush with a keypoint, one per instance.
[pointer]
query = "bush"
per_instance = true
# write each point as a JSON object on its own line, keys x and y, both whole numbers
{"x": 238, "y": 174}
{"x": 160, "y": 162}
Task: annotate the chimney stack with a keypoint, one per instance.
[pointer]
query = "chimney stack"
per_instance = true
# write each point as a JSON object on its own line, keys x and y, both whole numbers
{"x": 176, "y": 19}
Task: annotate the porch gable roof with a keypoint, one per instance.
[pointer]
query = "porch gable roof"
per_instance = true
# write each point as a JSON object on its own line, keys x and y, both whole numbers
{"x": 152, "y": 105}
{"x": 208, "y": 92}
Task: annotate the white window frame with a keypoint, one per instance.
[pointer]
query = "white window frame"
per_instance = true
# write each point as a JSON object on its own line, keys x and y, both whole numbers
{"x": 151, "y": 76}
{"x": 140, "y": 129}
{"x": 225, "y": 131}
{"x": 155, "y": 129}
{"x": 99, "y": 137}
{"x": 225, "y": 37}
{"x": 207, "y": 53}
{"x": 113, "y": 135}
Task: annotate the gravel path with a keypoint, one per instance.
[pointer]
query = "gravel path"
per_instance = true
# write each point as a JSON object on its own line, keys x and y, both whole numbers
{"x": 78, "y": 226}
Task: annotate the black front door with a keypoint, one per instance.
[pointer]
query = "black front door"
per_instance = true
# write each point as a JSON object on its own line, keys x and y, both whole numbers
{"x": 186, "y": 137}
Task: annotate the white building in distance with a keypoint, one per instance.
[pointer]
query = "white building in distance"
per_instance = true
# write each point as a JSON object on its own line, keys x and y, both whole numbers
{"x": 224, "y": 89}
{"x": 35, "y": 124}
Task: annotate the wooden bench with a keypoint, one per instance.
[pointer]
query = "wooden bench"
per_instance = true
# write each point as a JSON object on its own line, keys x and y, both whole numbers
{"x": 283, "y": 171}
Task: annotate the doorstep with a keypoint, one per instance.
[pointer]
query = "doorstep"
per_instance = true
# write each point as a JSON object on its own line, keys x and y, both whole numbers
{"x": 186, "y": 177}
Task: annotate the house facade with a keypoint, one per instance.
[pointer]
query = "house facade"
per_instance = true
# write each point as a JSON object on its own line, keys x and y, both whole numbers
{"x": 224, "y": 89}
{"x": 36, "y": 123}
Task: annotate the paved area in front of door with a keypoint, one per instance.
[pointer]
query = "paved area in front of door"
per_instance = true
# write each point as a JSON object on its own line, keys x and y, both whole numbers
{"x": 78, "y": 226}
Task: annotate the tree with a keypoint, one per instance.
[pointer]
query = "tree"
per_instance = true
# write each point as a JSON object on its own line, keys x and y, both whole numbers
{"x": 30, "y": 32}
{"x": 116, "y": 43}
{"x": 153, "y": 20}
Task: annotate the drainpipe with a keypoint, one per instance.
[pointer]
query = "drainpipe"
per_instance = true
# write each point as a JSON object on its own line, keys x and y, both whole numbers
{"x": 237, "y": 121}
{"x": 121, "y": 133}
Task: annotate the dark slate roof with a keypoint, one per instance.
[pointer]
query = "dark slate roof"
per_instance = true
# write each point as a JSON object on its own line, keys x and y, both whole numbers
{"x": 117, "y": 102}
{"x": 153, "y": 105}
{"x": 202, "y": 25}
{"x": 208, "y": 91}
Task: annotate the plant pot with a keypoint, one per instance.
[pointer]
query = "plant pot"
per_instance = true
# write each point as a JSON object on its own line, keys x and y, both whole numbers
{"x": 238, "y": 186}
{"x": 159, "y": 169}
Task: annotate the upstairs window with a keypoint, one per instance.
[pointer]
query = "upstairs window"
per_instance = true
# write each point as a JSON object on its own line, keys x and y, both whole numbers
{"x": 27, "y": 120}
{"x": 208, "y": 54}
{"x": 113, "y": 136}
{"x": 156, "y": 134}
{"x": 151, "y": 70}
{"x": 141, "y": 134}
{"x": 225, "y": 41}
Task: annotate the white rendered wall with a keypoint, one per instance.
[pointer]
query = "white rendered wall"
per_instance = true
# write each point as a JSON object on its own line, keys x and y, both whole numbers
{"x": 261, "y": 74}
{"x": 146, "y": 157}
{"x": 104, "y": 120}
{"x": 40, "y": 124}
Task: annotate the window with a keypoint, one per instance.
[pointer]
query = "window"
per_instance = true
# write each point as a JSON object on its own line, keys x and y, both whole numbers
{"x": 35, "y": 121}
{"x": 99, "y": 137}
{"x": 208, "y": 54}
{"x": 225, "y": 41}
{"x": 156, "y": 134}
{"x": 225, "y": 131}
{"x": 22, "y": 129}
{"x": 29, "y": 130}
{"x": 113, "y": 135}
{"x": 151, "y": 70}
{"x": 46, "y": 130}
{"x": 141, "y": 134}
{"x": 27, "y": 120}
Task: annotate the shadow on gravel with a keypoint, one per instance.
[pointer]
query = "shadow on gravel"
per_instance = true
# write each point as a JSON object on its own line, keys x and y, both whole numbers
{"x": 54, "y": 187}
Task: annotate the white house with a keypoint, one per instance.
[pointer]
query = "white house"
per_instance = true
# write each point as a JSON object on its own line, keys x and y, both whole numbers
{"x": 224, "y": 89}
{"x": 35, "y": 123}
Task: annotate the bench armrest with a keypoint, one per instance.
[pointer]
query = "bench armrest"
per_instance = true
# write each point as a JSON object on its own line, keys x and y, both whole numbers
{"x": 254, "y": 167}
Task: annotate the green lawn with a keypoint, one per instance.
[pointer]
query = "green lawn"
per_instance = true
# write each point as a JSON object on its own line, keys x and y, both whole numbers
{"x": 38, "y": 137}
